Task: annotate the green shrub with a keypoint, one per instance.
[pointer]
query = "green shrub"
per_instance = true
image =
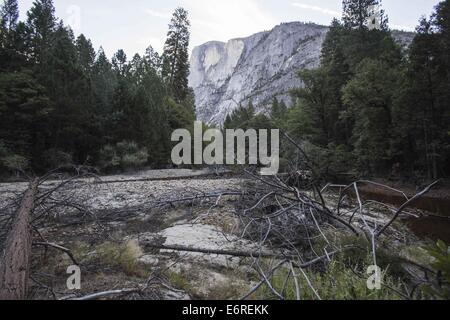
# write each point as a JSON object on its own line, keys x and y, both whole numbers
{"x": 337, "y": 282}
{"x": 10, "y": 162}
{"x": 123, "y": 156}
{"x": 178, "y": 280}
{"x": 3, "y": 149}
{"x": 54, "y": 158}
{"x": 15, "y": 162}
{"x": 441, "y": 264}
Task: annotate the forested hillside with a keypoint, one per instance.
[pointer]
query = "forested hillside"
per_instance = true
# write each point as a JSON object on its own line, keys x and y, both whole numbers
{"x": 372, "y": 108}
{"x": 63, "y": 102}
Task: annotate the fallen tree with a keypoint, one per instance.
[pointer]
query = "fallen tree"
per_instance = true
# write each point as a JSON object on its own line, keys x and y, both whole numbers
{"x": 15, "y": 259}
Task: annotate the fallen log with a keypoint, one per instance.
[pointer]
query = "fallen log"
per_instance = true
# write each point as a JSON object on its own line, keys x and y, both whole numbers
{"x": 106, "y": 294}
{"x": 244, "y": 254}
{"x": 233, "y": 253}
{"x": 15, "y": 258}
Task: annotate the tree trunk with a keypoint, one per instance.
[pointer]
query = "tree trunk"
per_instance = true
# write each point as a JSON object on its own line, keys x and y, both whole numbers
{"x": 15, "y": 258}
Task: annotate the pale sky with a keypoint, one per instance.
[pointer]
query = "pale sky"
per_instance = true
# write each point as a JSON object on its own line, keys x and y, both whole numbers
{"x": 134, "y": 24}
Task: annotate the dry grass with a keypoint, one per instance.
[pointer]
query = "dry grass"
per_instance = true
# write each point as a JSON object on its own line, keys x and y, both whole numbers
{"x": 123, "y": 256}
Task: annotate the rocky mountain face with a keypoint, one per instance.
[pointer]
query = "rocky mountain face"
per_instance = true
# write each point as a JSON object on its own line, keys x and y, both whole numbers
{"x": 257, "y": 68}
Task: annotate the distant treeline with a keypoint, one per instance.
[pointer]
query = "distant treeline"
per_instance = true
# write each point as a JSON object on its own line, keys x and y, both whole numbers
{"x": 61, "y": 102}
{"x": 372, "y": 108}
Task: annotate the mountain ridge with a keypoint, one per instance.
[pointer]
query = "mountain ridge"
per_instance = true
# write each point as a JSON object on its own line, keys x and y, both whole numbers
{"x": 256, "y": 68}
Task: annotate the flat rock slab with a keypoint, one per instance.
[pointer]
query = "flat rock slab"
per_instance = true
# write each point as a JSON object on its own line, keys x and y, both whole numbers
{"x": 204, "y": 237}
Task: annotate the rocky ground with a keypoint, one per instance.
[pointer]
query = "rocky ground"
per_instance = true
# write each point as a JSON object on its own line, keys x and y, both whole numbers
{"x": 113, "y": 254}
{"x": 176, "y": 234}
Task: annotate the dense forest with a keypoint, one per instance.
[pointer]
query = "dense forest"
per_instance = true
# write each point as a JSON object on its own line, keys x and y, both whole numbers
{"x": 61, "y": 102}
{"x": 373, "y": 108}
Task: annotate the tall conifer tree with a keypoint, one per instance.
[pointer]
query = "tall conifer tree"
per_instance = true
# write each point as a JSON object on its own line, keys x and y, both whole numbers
{"x": 176, "y": 55}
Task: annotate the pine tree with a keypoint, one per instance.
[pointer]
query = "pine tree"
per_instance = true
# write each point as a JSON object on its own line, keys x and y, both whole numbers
{"x": 317, "y": 101}
{"x": 24, "y": 109}
{"x": 72, "y": 96}
{"x": 11, "y": 37}
{"x": 275, "y": 111}
{"x": 422, "y": 114}
{"x": 104, "y": 82}
{"x": 60, "y": 102}
{"x": 441, "y": 20}
{"x": 241, "y": 117}
{"x": 119, "y": 62}
{"x": 85, "y": 54}
{"x": 369, "y": 97}
{"x": 41, "y": 24}
{"x": 278, "y": 110}
{"x": 153, "y": 59}
{"x": 176, "y": 55}
{"x": 9, "y": 14}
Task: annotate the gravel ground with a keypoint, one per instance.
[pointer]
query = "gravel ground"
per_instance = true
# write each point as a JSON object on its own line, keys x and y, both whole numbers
{"x": 198, "y": 227}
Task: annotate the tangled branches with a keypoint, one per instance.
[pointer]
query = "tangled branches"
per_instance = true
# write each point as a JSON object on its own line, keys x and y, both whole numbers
{"x": 288, "y": 220}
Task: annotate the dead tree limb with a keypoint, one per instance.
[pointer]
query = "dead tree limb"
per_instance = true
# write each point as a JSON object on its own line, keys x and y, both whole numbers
{"x": 405, "y": 205}
{"x": 105, "y": 294}
{"x": 58, "y": 247}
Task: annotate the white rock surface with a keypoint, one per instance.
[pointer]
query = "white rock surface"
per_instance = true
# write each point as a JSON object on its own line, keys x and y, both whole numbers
{"x": 205, "y": 237}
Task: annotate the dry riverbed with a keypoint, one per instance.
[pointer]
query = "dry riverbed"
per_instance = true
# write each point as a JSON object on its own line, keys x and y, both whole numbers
{"x": 134, "y": 239}
{"x": 115, "y": 254}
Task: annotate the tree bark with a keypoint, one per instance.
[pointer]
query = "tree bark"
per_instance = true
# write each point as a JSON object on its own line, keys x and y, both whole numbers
{"x": 15, "y": 258}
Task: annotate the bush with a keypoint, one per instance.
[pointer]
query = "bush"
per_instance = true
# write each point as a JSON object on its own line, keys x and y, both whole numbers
{"x": 122, "y": 256}
{"x": 54, "y": 158}
{"x": 123, "y": 156}
{"x": 3, "y": 149}
{"x": 441, "y": 264}
{"x": 15, "y": 162}
{"x": 337, "y": 282}
{"x": 11, "y": 162}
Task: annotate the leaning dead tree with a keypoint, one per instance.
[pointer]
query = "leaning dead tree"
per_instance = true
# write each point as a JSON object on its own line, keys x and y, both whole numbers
{"x": 15, "y": 258}
{"x": 20, "y": 216}
{"x": 54, "y": 201}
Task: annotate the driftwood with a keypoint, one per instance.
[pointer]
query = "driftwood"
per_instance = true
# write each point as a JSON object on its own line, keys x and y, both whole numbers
{"x": 106, "y": 294}
{"x": 233, "y": 253}
{"x": 15, "y": 259}
{"x": 246, "y": 254}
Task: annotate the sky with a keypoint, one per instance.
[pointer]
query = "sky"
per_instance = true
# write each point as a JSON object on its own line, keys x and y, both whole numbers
{"x": 133, "y": 25}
